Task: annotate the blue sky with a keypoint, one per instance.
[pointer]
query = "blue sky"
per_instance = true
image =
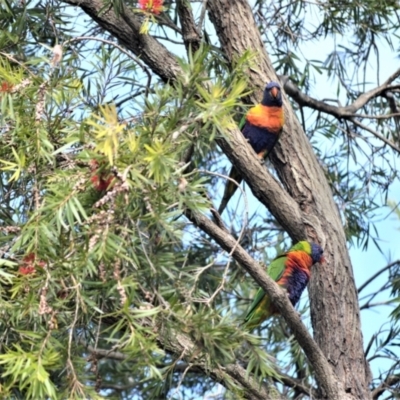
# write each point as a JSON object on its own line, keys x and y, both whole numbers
{"x": 367, "y": 262}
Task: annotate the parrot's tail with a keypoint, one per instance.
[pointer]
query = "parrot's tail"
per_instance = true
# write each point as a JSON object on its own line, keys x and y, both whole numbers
{"x": 230, "y": 188}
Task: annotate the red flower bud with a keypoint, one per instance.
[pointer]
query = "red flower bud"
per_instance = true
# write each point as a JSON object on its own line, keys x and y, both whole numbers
{"x": 6, "y": 87}
{"x": 153, "y": 6}
{"x": 101, "y": 180}
{"x": 29, "y": 263}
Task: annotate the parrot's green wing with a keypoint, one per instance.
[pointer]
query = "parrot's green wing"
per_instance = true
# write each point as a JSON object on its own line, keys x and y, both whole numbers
{"x": 242, "y": 122}
{"x": 275, "y": 271}
{"x": 254, "y": 308}
{"x": 277, "y": 267}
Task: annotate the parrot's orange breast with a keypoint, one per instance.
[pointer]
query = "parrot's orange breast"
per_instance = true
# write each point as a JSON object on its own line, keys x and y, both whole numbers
{"x": 270, "y": 118}
{"x": 296, "y": 261}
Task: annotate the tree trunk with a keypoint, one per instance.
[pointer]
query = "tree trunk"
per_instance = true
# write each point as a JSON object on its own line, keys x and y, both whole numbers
{"x": 335, "y": 312}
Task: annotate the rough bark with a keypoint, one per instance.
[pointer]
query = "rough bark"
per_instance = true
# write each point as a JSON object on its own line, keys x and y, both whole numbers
{"x": 333, "y": 295}
{"x": 309, "y": 201}
{"x": 263, "y": 185}
{"x": 190, "y": 33}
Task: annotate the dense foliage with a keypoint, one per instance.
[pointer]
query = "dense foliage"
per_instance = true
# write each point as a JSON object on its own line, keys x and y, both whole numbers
{"x": 107, "y": 289}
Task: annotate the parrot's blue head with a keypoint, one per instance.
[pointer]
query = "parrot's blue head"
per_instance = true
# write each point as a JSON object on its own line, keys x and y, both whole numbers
{"x": 272, "y": 95}
{"x": 316, "y": 253}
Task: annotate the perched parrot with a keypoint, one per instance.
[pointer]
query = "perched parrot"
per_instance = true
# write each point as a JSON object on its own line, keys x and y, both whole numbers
{"x": 262, "y": 128}
{"x": 291, "y": 271}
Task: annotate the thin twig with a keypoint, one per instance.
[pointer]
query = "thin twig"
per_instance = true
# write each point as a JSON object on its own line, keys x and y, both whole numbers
{"x": 121, "y": 49}
{"x": 140, "y": 233}
{"x": 202, "y": 15}
{"x": 246, "y": 203}
{"x": 369, "y": 305}
{"x": 385, "y": 385}
{"x": 376, "y": 134}
{"x": 369, "y": 280}
{"x": 11, "y": 58}
{"x": 366, "y": 116}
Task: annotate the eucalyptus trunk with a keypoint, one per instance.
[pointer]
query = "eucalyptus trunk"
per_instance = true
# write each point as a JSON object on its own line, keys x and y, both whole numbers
{"x": 335, "y": 311}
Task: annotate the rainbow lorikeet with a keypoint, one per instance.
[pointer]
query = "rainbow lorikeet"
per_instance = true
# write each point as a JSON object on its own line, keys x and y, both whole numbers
{"x": 262, "y": 128}
{"x": 291, "y": 271}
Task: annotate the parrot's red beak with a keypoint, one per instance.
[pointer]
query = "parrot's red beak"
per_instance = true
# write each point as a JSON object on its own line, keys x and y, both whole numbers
{"x": 274, "y": 92}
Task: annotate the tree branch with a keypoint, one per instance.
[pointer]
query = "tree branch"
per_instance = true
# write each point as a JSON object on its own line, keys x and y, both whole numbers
{"x": 376, "y": 134}
{"x": 178, "y": 344}
{"x": 191, "y": 35}
{"x": 234, "y": 370}
{"x": 369, "y": 280}
{"x": 347, "y": 112}
{"x": 104, "y": 353}
{"x": 385, "y": 385}
{"x": 298, "y": 385}
{"x": 339, "y": 112}
{"x": 323, "y": 371}
{"x": 263, "y": 185}
{"x": 126, "y": 28}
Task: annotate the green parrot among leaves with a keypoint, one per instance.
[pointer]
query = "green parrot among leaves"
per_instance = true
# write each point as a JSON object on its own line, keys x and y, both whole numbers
{"x": 291, "y": 271}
